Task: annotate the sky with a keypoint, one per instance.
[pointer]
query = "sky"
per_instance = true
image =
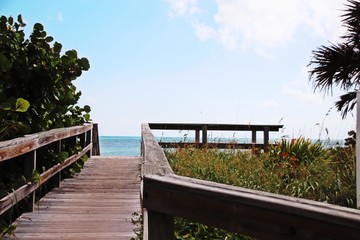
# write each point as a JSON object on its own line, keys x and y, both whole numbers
{"x": 197, "y": 61}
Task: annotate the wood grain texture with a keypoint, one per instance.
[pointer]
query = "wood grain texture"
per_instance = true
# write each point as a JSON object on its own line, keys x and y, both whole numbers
{"x": 98, "y": 203}
{"x": 259, "y": 214}
{"x": 10, "y": 200}
{"x": 18, "y": 146}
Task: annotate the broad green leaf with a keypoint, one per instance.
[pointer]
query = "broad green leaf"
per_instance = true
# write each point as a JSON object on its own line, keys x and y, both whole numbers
{"x": 87, "y": 117}
{"x": 77, "y": 167}
{"x": 87, "y": 108}
{"x": 38, "y": 26}
{"x": 5, "y": 106}
{"x": 64, "y": 155}
{"x": 43, "y": 34}
{"x": 84, "y": 62}
{"x": 11, "y": 20}
{"x": 49, "y": 39}
{"x": 36, "y": 177}
{"x": 5, "y": 63}
{"x": 21, "y": 105}
{"x": 71, "y": 54}
{"x": 20, "y": 20}
{"x": 3, "y": 19}
{"x": 84, "y": 158}
{"x": 57, "y": 47}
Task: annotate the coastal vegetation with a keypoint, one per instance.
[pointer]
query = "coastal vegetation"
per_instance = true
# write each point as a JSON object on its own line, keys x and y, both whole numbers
{"x": 293, "y": 167}
{"x": 36, "y": 94}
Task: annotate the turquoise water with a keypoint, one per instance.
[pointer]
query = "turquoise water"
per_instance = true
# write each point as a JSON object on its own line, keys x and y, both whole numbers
{"x": 119, "y": 146}
{"x": 130, "y": 146}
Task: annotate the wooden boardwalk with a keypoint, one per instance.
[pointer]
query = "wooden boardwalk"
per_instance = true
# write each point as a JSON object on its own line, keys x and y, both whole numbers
{"x": 96, "y": 204}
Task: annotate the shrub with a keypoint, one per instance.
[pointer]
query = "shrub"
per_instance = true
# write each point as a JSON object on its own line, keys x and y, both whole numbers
{"x": 34, "y": 69}
{"x": 297, "y": 168}
{"x": 36, "y": 94}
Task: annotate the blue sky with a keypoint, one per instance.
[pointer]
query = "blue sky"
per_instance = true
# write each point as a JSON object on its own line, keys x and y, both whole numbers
{"x": 216, "y": 61}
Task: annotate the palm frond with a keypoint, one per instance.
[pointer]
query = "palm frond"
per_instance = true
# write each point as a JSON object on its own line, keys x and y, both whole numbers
{"x": 346, "y": 103}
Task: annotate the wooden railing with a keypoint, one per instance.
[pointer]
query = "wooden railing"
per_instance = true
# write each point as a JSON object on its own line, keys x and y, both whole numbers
{"x": 262, "y": 215}
{"x": 25, "y": 149}
{"x": 204, "y": 128}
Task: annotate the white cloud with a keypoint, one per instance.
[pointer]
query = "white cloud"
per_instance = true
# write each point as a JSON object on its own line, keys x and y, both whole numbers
{"x": 265, "y": 23}
{"x": 203, "y": 31}
{"x": 60, "y": 17}
{"x": 262, "y": 24}
{"x": 182, "y": 7}
{"x": 301, "y": 92}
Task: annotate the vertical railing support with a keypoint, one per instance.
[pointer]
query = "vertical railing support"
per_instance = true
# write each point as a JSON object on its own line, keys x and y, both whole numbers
{"x": 160, "y": 226}
{"x": 95, "y": 140}
{"x": 29, "y": 167}
{"x": 197, "y": 136}
{"x": 358, "y": 150}
{"x": 56, "y": 179}
{"x": 88, "y": 141}
{"x": 204, "y": 134}
{"x": 266, "y": 138}
{"x": 253, "y": 137}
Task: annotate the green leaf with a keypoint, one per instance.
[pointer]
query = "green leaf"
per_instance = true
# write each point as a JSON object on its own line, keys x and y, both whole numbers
{"x": 77, "y": 167}
{"x": 5, "y": 106}
{"x": 64, "y": 155}
{"x": 43, "y": 34}
{"x": 49, "y": 39}
{"x": 5, "y": 63}
{"x": 84, "y": 63}
{"x": 87, "y": 117}
{"x": 36, "y": 176}
{"x": 38, "y": 27}
{"x": 71, "y": 54}
{"x": 20, "y": 20}
{"x": 87, "y": 108}
{"x": 21, "y": 105}
{"x": 3, "y": 19}
{"x": 84, "y": 158}
{"x": 57, "y": 47}
{"x": 11, "y": 20}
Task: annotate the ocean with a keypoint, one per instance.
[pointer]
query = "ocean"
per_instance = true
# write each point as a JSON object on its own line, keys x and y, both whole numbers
{"x": 130, "y": 146}
{"x": 119, "y": 146}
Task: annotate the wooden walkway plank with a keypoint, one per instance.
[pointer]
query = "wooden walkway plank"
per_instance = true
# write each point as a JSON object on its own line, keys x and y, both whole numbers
{"x": 97, "y": 203}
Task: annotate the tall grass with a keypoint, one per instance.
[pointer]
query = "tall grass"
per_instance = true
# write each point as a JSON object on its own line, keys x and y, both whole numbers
{"x": 297, "y": 167}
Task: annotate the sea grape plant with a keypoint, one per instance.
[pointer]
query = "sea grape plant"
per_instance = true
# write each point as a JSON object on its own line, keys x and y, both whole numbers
{"x": 9, "y": 124}
{"x": 34, "y": 69}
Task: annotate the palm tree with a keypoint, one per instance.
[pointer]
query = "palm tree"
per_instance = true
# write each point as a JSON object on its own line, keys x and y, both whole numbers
{"x": 339, "y": 64}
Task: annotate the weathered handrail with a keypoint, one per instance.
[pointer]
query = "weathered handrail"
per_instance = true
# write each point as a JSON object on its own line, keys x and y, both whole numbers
{"x": 205, "y": 127}
{"x": 258, "y": 214}
{"x": 28, "y": 145}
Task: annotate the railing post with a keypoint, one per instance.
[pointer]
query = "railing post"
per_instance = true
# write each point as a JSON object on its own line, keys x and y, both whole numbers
{"x": 29, "y": 167}
{"x": 88, "y": 141}
{"x": 253, "y": 136}
{"x": 56, "y": 179}
{"x": 197, "y": 136}
{"x": 204, "y": 134}
{"x": 160, "y": 226}
{"x": 95, "y": 140}
{"x": 266, "y": 138}
{"x": 82, "y": 139}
